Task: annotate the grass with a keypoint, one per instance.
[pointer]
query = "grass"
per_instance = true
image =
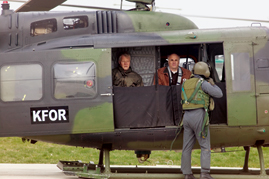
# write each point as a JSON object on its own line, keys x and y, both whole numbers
{"x": 13, "y": 150}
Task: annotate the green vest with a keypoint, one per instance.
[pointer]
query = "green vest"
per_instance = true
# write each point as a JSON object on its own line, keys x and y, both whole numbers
{"x": 193, "y": 96}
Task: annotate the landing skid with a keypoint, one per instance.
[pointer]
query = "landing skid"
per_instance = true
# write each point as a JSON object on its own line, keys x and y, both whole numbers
{"x": 86, "y": 170}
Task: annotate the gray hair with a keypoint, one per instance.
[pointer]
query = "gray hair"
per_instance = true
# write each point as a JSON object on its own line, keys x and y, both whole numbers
{"x": 127, "y": 55}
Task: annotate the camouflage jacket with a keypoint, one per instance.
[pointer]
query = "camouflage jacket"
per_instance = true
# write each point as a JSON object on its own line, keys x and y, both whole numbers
{"x": 127, "y": 78}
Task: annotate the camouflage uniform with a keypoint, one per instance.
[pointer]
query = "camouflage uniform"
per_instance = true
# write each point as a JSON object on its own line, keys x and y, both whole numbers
{"x": 126, "y": 78}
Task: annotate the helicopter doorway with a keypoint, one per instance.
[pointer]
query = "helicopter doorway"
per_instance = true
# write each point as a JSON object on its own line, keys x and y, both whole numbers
{"x": 142, "y": 107}
{"x": 157, "y": 105}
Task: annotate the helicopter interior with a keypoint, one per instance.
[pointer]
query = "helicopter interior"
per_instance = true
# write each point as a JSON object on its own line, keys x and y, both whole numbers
{"x": 156, "y": 105}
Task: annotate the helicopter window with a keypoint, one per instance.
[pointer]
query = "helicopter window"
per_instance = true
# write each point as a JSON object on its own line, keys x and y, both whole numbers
{"x": 74, "y": 80}
{"x": 75, "y": 22}
{"x": 241, "y": 75}
{"x": 219, "y": 61}
{"x": 43, "y": 27}
{"x": 21, "y": 82}
{"x": 189, "y": 66}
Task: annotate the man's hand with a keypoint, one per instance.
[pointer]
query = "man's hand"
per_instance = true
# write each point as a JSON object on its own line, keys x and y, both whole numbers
{"x": 211, "y": 81}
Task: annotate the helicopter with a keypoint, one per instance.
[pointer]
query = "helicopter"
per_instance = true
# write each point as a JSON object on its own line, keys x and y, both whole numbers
{"x": 56, "y": 83}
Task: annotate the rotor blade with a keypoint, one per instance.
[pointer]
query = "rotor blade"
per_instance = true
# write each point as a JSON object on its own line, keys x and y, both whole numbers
{"x": 227, "y": 18}
{"x": 22, "y": 1}
{"x": 46, "y": 5}
{"x": 39, "y": 5}
{"x": 155, "y": 7}
{"x": 89, "y": 7}
{"x": 26, "y": 7}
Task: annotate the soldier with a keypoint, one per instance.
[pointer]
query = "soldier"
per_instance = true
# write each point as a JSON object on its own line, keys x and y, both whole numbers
{"x": 196, "y": 93}
{"x": 123, "y": 75}
{"x": 173, "y": 74}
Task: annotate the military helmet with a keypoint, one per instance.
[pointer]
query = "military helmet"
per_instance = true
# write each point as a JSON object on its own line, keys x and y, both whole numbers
{"x": 201, "y": 68}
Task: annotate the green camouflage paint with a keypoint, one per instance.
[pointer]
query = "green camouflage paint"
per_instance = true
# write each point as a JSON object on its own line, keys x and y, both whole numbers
{"x": 94, "y": 119}
{"x": 145, "y": 21}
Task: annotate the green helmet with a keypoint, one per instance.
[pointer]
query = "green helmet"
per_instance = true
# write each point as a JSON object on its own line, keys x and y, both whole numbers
{"x": 201, "y": 68}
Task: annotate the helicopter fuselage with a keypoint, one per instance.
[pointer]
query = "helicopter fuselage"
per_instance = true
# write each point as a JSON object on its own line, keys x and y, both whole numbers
{"x": 56, "y": 83}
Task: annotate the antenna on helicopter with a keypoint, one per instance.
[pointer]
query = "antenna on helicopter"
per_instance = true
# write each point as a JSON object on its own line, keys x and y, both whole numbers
{"x": 5, "y": 5}
{"x": 5, "y": 8}
{"x": 142, "y": 4}
{"x": 121, "y": 5}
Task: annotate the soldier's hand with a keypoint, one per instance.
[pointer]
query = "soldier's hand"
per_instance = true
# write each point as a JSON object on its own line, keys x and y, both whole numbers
{"x": 211, "y": 81}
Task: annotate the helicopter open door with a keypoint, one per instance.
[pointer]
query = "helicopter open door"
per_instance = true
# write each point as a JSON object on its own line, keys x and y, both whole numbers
{"x": 261, "y": 60}
{"x": 148, "y": 106}
{"x": 56, "y": 92}
{"x": 239, "y": 70}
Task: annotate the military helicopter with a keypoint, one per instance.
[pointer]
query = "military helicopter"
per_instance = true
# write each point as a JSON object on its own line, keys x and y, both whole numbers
{"x": 56, "y": 82}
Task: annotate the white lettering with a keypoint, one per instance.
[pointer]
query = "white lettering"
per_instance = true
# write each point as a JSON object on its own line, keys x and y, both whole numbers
{"x": 61, "y": 113}
{"x": 36, "y": 116}
{"x": 49, "y": 115}
{"x": 52, "y": 113}
{"x": 44, "y": 114}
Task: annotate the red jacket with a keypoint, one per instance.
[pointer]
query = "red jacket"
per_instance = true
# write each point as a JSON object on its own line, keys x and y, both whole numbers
{"x": 163, "y": 77}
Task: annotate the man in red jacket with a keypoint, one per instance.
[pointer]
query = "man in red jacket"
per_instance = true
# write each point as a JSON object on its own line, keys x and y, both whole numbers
{"x": 173, "y": 74}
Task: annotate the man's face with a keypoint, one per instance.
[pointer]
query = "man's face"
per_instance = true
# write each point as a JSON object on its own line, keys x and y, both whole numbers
{"x": 173, "y": 62}
{"x": 125, "y": 63}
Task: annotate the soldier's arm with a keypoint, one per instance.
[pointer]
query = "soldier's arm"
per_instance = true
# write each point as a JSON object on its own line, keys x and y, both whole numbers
{"x": 212, "y": 90}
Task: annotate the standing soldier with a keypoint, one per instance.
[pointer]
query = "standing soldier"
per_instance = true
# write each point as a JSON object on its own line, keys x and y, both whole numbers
{"x": 196, "y": 93}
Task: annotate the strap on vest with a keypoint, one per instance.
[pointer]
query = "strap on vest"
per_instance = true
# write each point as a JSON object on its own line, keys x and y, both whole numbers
{"x": 193, "y": 94}
{"x": 178, "y": 131}
{"x": 204, "y": 130}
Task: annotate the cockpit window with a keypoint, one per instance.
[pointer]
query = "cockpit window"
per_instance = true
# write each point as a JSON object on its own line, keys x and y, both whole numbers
{"x": 43, "y": 27}
{"x": 75, "y": 22}
{"x": 75, "y": 80}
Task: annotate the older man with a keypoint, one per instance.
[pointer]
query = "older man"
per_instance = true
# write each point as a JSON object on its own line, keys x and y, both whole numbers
{"x": 173, "y": 74}
{"x": 123, "y": 75}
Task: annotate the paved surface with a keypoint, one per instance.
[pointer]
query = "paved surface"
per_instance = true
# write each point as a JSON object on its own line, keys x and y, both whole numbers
{"x": 50, "y": 171}
{"x": 32, "y": 171}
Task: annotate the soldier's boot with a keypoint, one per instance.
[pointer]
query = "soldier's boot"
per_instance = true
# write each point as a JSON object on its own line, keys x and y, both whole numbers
{"x": 189, "y": 176}
{"x": 206, "y": 176}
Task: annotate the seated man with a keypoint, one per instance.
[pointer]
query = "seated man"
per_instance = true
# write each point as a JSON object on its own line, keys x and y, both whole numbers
{"x": 123, "y": 75}
{"x": 173, "y": 74}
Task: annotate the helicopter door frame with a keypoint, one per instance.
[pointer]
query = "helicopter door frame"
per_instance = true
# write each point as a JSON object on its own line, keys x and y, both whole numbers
{"x": 240, "y": 85}
{"x": 66, "y": 91}
{"x": 261, "y": 61}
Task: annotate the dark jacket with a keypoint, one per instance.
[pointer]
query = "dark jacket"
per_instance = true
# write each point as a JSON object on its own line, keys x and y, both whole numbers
{"x": 127, "y": 78}
{"x": 163, "y": 76}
